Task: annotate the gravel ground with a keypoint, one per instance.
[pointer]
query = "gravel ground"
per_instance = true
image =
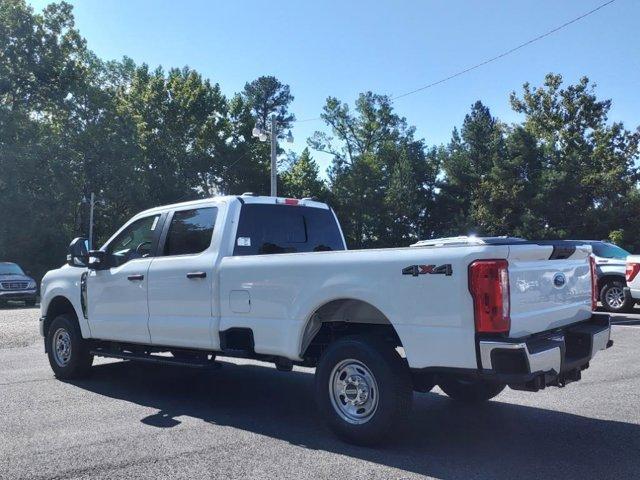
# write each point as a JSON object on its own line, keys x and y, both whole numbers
{"x": 248, "y": 420}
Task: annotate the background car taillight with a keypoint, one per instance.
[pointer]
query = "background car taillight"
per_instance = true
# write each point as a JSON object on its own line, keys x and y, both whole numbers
{"x": 594, "y": 283}
{"x": 632, "y": 271}
{"x": 489, "y": 287}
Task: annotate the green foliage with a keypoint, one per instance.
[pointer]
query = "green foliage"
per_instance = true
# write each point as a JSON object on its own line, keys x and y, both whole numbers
{"x": 302, "y": 179}
{"x": 617, "y": 237}
{"x": 72, "y": 124}
{"x": 382, "y": 181}
{"x": 267, "y": 96}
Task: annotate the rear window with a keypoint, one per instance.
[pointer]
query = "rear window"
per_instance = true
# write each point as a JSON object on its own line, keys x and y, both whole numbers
{"x": 267, "y": 229}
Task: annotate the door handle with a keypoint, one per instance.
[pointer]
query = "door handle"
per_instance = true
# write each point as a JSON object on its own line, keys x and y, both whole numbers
{"x": 197, "y": 275}
{"x": 135, "y": 277}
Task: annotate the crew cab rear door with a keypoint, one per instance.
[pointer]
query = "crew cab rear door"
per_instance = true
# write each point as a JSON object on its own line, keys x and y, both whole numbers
{"x": 181, "y": 280}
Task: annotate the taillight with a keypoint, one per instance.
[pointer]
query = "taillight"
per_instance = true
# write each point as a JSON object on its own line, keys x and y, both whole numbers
{"x": 594, "y": 283}
{"x": 632, "y": 271}
{"x": 489, "y": 287}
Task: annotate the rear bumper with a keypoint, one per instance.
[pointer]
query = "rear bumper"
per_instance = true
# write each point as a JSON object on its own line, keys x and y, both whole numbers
{"x": 551, "y": 358}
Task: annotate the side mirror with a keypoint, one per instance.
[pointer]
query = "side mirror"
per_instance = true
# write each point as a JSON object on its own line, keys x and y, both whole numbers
{"x": 77, "y": 253}
{"x": 98, "y": 260}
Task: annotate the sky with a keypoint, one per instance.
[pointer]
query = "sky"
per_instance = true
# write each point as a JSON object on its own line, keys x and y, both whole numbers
{"x": 342, "y": 48}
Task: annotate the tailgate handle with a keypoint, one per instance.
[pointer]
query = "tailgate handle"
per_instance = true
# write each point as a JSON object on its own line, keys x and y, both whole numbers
{"x": 197, "y": 275}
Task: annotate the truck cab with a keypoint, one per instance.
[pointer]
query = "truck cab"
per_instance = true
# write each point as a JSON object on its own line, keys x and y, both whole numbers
{"x": 156, "y": 280}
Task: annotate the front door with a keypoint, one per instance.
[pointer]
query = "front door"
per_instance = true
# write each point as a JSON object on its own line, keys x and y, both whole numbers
{"x": 117, "y": 297}
{"x": 181, "y": 280}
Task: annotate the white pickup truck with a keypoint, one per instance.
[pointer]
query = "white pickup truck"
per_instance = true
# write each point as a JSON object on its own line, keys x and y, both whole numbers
{"x": 271, "y": 279}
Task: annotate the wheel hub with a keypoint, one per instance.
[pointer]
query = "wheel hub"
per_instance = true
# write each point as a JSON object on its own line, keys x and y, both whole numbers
{"x": 353, "y": 391}
{"x": 356, "y": 390}
{"x": 615, "y": 297}
{"x": 61, "y": 347}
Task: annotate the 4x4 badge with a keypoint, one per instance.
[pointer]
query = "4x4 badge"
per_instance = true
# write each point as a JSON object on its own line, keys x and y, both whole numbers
{"x": 416, "y": 270}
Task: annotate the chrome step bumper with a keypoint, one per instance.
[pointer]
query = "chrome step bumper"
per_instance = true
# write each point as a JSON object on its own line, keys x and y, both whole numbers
{"x": 550, "y": 358}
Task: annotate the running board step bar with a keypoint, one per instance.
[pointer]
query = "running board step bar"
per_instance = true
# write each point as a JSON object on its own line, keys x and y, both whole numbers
{"x": 157, "y": 359}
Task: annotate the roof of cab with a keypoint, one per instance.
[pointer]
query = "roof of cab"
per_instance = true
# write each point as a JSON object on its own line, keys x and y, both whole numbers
{"x": 245, "y": 198}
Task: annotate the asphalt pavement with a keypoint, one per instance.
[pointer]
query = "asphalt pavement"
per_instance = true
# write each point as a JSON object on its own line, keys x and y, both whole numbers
{"x": 247, "y": 420}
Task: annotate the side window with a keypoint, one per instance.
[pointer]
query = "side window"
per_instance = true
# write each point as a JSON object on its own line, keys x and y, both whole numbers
{"x": 190, "y": 231}
{"x": 135, "y": 241}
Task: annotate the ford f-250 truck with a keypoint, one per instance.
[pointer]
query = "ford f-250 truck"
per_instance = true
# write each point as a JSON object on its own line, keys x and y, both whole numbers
{"x": 271, "y": 279}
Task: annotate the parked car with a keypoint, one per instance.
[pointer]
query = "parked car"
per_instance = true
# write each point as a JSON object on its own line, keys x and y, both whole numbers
{"x": 610, "y": 269}
{"x": 16, "y": 285}
{"x": 271, "y": 279}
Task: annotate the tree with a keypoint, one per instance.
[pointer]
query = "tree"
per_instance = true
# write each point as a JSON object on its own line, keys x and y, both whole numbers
{"x": 589, "y": 164}
{"x": 302, "y": 179}
{"x": 466, "y": 163}
{"x": 378, "y": 167}
{"x": 508, "y": 199}
{"x": 267, "y": 96}
{"x": 42, "y": 62}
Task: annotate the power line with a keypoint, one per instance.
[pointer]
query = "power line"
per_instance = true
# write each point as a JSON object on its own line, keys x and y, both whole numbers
{"x": 492, "y": 59}
{"x": 504, "y": 54}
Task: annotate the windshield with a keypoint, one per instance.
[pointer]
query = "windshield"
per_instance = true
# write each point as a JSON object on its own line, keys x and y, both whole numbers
{"x": 608, "y": 250}
{"x": 10, "y": 269}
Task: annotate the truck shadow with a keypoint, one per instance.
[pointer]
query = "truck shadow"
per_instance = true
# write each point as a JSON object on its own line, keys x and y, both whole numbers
{"x": 497, "y": 440}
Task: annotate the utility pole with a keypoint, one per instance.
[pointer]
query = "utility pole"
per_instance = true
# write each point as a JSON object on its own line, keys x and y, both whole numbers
{"x": 262, "y": 135}
{"x": 274, "y": 166}
{"x": 91, "y": 204}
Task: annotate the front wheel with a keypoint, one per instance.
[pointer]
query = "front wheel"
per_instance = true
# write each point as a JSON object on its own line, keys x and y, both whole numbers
{"x": 68, "y": 352}
{"x": 470, "y": 390}
{"x": 614, "y": 299}
{"x": 363, "y": 388}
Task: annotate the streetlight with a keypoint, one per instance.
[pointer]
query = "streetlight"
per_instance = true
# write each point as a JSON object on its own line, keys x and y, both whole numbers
{"x": 262, "y": 135}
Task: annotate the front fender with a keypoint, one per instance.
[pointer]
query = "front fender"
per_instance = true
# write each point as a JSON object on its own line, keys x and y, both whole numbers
{"x": 64, "y": 283}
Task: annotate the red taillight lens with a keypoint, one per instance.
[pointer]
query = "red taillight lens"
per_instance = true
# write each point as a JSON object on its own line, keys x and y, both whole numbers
{"x": 594, "y": 283}
{"x": 489, "y": 287}
{"x": 288, "y": 201}
{"x": 632, "y": 271}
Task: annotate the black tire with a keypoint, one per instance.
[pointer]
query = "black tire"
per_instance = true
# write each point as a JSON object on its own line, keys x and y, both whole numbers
{"x": 79, "y": 360}
{"x": 611, "y": 300}
{"x": 470, "y": 390}
{"x": 392, "y": 384}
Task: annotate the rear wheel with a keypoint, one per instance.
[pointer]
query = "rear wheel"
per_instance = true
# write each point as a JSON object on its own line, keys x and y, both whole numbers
{"x": 364, "y": 390}
{"x": 613, "y": 297}
{"x": 470, "y": 390}
{"x": 68, "y": 352}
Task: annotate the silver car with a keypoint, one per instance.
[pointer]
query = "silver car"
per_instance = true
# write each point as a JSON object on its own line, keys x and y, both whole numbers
{"x": 610, "y": 269}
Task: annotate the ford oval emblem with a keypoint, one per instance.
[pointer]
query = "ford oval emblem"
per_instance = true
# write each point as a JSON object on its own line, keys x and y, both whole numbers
{"x": 559, "y": 280}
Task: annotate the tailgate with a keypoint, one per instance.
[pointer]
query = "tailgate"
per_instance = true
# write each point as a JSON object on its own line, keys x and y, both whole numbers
{"x": 549, "y": 287}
